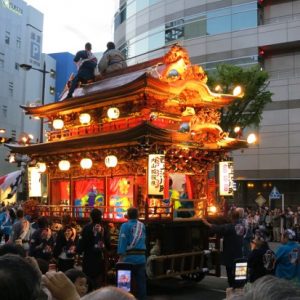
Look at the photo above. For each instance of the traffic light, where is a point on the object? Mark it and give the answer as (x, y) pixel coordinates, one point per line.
(261, 55)
(260, 3)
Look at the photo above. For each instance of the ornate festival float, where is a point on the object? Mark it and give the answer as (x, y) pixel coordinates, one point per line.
(145, 136)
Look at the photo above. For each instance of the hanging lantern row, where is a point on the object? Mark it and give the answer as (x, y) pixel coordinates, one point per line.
(113, 113)
(86, 163)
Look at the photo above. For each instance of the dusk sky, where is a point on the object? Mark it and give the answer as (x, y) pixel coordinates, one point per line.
(69, 24)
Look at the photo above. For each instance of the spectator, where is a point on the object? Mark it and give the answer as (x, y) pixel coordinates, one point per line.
(111, 60)
(79, 279)
(276, 225)
(42, 242)
(232, 244)
(132, 249)
(7, 220)
(19, 280)
(109, 293)
(65, 248)
(86, 63)
(287, 257)
(21, 230)
(270, 288)
(60, 286)
(9, 248)
(255, 259)
(93, 243)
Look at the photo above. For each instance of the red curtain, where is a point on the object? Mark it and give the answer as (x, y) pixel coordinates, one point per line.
(60, 191)
(83, 186)
(189, 187)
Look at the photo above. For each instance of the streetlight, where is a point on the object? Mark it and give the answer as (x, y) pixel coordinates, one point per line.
(27, 67)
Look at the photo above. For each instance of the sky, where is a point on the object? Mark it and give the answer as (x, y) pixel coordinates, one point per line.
(69, 24)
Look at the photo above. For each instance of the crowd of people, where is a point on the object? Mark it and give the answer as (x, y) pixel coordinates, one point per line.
(64, 255)
(67, 258)
(246, 237)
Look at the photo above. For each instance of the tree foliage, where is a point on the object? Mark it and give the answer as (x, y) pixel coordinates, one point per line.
(247, 111)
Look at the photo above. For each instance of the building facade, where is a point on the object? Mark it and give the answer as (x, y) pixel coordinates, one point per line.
(21, 36)
(244, 33)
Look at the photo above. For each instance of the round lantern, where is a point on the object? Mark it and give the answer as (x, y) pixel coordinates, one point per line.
(113, 113)
(64, 165)
(251, 139)
(237, 91)
(42, 167)
(111, 161)
(58, 124)
(86, 163)
(84, 118)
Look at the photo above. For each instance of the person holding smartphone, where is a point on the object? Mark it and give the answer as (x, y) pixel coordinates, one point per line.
(93, 243)
(233, 234)
(132, 250)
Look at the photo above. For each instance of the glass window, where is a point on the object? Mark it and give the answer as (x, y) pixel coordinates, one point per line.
(157, 40)
(151, 2)
(141, 46)
(141, 4)
(195, 29)
(1, 60)
(4, 111)
(244, 20)
(18, 42)
(244, 7)
(131, 9)
(11, 88)
(7, 37)
(174, 31)
(218, 25)
(117, 20)
(219, 12)
(124, 49)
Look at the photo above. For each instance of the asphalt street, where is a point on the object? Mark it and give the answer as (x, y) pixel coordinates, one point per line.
(210, 287)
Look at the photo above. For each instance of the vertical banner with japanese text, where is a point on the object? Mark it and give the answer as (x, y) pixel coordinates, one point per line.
(34, 182)
(226, 178)
(156, 174)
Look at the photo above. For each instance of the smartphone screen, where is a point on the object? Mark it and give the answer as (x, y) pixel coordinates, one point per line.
(124, 279)
(241, 270)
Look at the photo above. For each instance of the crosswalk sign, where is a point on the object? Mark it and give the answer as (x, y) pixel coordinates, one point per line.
(275, 193)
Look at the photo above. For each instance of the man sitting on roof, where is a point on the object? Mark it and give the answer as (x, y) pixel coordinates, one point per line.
(112, 60)
(86, 63)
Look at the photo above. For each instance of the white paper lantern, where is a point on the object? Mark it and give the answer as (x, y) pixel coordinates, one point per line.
(86, 163)
(64, 165)
(84, 119)
(42, 167)
(113, 113)
(111, 161)
(251, 139)
(237, 91)
(58, 124)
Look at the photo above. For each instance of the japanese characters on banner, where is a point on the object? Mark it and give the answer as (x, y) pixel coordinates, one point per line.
(156, 173)
(34, 182)
(226, 182)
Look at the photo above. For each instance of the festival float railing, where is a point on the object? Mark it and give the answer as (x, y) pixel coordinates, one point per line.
(110, 126)
(156, 212)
